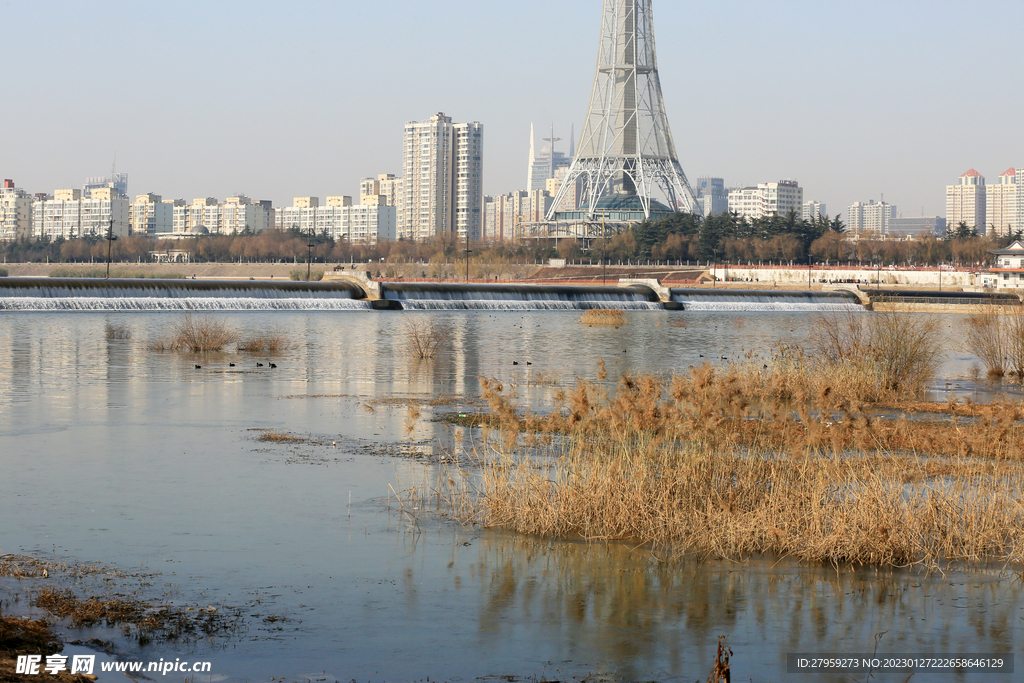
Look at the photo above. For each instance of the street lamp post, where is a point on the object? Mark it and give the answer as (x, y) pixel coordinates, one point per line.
(110, 241)
(309, 243)
(468, 252)
(714, 269)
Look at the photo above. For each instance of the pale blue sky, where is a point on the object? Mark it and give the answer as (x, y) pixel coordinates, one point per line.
(281, 99)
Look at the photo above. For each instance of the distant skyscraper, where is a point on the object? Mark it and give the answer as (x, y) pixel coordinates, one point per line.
(1002, 211)
(443, 183)
(965, 202)
(903, 228)
(711, 195)
(870, 219)
(543, 166)
(117, 181)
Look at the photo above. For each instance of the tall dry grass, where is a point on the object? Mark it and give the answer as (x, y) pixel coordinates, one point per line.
(424, 337)
(271, 343)
(890, 355)
(611, 317)
(988, 338)
(713, 464)
(201, 334)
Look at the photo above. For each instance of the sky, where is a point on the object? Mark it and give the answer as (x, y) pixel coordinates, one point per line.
(276, 100)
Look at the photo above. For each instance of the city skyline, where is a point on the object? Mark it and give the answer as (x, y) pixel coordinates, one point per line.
(363, 85)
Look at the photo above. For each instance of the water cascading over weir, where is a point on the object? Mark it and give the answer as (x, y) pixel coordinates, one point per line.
(764, 300)
(514, 297)
(89, 294)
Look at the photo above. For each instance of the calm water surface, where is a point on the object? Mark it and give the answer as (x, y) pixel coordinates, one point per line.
(112, 453)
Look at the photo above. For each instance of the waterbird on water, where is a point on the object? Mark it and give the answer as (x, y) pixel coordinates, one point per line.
(231, 365)
(199, 367)
(273, 365)
(515, 362)
(259, 365)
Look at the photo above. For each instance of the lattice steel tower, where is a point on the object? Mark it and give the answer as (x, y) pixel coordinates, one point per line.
(626, 147)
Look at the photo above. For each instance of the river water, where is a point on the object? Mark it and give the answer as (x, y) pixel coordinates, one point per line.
(110, 452)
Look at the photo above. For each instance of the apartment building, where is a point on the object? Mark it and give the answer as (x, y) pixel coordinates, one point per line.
(767, 199)
(15, 213)
(151, 215)
(812, 211)
(1002, 210)
(443, 179)
(871, 219)
(966, 201)
(70, 214)
(503, 214)
(368, 222)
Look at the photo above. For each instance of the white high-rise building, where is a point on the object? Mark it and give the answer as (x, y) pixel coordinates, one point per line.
(767, 199)
(69, 214)
(240, 214)
(812, 211)
(150, 215)
(443, 183)
(15, 213)
(385, 185)
(870, 219)
(369, 222)
(1002, 210)
(966, 202)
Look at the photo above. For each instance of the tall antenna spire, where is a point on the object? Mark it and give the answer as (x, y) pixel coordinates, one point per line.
(551, 156)
(626, 146)
(533, 158)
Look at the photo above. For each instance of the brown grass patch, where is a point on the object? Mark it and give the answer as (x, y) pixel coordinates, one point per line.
(611, 317)
(729, 462)
(27, 636)
(139, 619)
(274, 436)
(269, 343)
(201, 334)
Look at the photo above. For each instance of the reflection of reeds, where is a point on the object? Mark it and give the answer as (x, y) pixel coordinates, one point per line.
(612, 317)
(118, 331)
(754, 457)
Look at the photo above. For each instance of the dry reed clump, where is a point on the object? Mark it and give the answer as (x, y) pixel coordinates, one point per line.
(268, 343)
(201, 334)
(117, 331)
(611, 317)
(702, 465)
(891, 355)
(424, 337)
(274, 436)
(988, 340)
